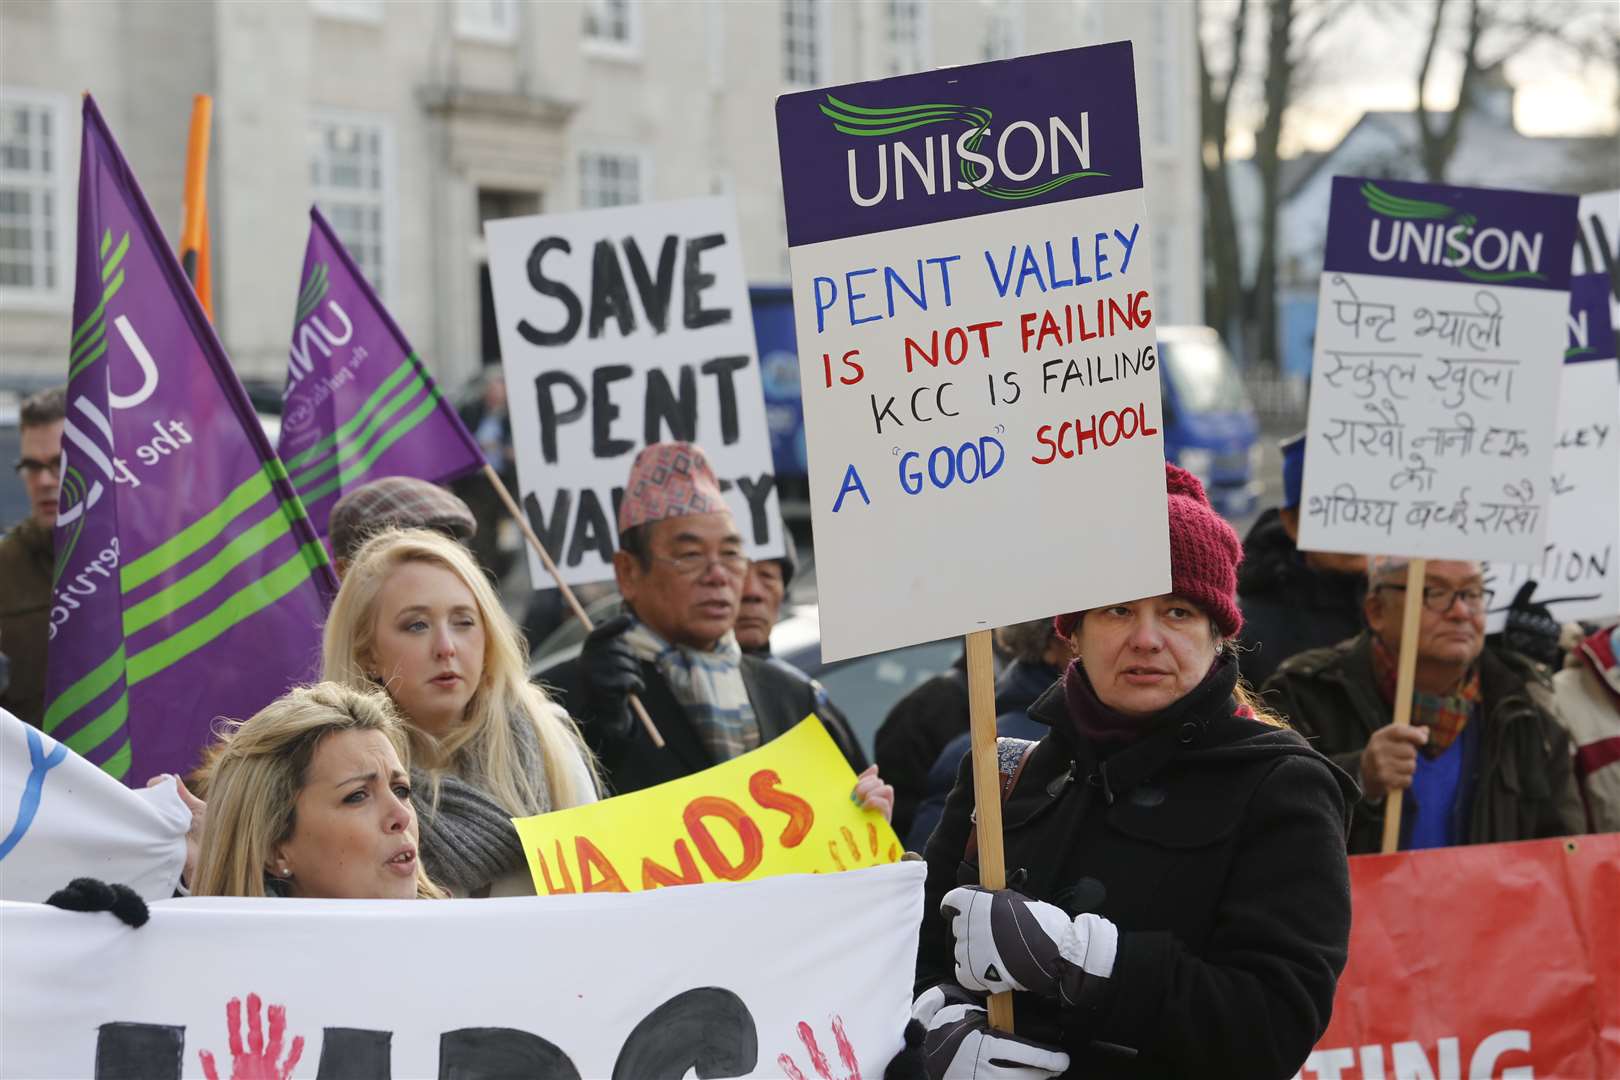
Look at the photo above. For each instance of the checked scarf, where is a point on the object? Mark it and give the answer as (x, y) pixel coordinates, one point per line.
(708, 684)
(1445, 715)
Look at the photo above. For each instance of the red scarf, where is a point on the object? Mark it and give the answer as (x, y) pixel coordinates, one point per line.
(1445, 715)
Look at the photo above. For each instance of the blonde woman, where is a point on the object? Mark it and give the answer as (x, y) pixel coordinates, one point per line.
(418, 618)
(310, 798)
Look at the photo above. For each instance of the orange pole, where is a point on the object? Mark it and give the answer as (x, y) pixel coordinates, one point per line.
(194, 224)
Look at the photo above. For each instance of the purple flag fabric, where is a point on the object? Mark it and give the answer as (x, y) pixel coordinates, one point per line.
(359, 403)
(189, 584)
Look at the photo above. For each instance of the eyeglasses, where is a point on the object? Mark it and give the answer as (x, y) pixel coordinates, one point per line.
(1439, 599)
(695, 564)
(31, 467)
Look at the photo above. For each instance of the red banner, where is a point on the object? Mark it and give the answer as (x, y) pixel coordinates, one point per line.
(1501, 960)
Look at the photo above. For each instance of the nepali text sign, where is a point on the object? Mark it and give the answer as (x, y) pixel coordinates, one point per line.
(1439, 342)
(782, 809)
(974, 303)
(764, 978)
(1492, 960)
(620, 328)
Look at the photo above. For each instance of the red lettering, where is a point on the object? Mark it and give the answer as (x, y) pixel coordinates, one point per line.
(1042, 437)
(753, 843)
(1102, 426)
(605, 878)
(983, 330)
(562, 871)
(1141, 314)
(1141, 416)
(1128, 414)
(931, 356)
(1082, 434)
(766, 788)
(955, 342)
(654, 875)
(1024, 332)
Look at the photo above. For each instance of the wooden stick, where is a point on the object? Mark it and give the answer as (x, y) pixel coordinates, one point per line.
(981, 672)
(1405, 677)
(568, 594)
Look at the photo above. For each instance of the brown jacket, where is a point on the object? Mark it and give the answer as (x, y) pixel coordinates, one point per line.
(25, 603)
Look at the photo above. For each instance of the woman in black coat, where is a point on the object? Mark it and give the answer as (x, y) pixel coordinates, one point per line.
(1180, 897)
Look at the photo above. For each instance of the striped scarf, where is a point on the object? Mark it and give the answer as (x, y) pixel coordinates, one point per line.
(709, 686)
(1445, 715)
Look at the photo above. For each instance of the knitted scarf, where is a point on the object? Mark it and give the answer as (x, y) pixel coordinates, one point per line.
(467, 841)
(709, 686)
(1109, 729)
(1445, 715)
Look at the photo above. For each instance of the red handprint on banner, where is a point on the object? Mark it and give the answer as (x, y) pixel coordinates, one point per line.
(856, 856)
(258, 1061)
(818, 1060)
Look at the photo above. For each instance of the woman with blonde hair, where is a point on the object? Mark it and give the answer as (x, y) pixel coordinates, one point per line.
(417, 617)
(310, 798)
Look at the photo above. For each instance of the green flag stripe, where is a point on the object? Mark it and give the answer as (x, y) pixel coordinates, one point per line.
(80, 365)
(108, 265)
(102, 728)
(198, 534)
(244, 603)
(106, 242)
(398, 375)
(348, 449)
(86, 690)
(243, 547)
(97, 335)
(94, 317)
(312, 295)
(117, 765)
(359, 468)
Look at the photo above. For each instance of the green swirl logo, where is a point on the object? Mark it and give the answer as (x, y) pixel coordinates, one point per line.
(1400, 208)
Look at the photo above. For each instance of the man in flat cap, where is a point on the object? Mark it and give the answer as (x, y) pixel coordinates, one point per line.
(680, 569)
(395, 502)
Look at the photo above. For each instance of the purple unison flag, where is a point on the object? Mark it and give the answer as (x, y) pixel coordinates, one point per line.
(359, 404)
(189, 584)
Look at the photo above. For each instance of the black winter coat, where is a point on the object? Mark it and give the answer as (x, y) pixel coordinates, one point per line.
(780, 698)
(1287, 606)
(910, 739)
(1219, 858)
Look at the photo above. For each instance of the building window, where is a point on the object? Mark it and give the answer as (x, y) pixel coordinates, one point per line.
(908, 36)
(1004, 30)
(351, 180)
(34, 206)
(494, 21)
(613, 26)
(803, 55)
(368, 11)
(609, 179)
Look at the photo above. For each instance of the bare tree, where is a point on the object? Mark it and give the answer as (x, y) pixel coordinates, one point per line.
(1223, 283)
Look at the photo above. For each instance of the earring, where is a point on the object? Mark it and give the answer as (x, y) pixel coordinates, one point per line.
(286, 872)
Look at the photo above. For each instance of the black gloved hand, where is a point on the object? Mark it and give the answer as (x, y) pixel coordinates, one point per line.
(611, 674)
(88, 894)
(1531, 629)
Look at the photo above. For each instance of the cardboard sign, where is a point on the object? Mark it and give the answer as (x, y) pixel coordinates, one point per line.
(760, 979)
(782, 809)
(1496, 960)
(621, 328)
(973, 293)
(1434, 390)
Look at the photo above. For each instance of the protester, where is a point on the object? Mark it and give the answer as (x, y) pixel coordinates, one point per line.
(395, 502)
(1587, 692)
(490, 423)
(764, 589)
(1181, 900)
(27, 557)
(417, 617)
(1039, 655)
(1293, 600)
(915, 732)
(680, 569)
(310, 798)
(1484, 759)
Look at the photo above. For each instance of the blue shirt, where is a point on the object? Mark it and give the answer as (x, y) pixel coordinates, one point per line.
(1442, 794)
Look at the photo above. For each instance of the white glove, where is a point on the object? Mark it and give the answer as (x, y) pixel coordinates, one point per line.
(960, 1044)
(1006, 941)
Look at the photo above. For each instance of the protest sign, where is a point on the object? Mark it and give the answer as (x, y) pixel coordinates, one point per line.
(359, 404)
(1496, 960)
(1578, 576)
(784, 808)
(764, 978)
(1434, 392)
(974, 302)
(189, 584)
(62, 818)
(620, 328)
(1597, 243)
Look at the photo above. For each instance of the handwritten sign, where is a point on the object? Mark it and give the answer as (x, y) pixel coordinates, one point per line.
(782, 809)
(621, 328)
(1434, 391)
(973, 294)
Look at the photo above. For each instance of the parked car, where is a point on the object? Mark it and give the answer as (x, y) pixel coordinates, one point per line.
(1210, 427)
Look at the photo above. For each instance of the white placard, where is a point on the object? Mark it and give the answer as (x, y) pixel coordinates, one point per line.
(737, 980)
(618, 328)
(1597, 244)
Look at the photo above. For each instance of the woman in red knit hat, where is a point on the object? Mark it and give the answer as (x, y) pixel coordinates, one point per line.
(1179, 900)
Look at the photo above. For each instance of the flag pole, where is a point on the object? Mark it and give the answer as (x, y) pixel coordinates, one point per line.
(568, 594)
(194, 226)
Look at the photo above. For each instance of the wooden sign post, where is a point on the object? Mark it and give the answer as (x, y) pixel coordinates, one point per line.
(981, 672)
(1405, 676)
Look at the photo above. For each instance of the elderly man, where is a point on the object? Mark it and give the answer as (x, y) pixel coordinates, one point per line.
(395, 502)
(1485, 759)
(680, 568)
(27, 555)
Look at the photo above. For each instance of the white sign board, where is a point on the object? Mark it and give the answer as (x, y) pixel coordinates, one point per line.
(1434, 390)
(730, 979)
(974, 303)
(620, 328)
(1597, 244)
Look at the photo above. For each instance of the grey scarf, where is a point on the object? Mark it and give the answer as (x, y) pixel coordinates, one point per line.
(468, 841)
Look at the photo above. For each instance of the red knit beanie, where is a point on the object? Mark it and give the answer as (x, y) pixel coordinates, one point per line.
(1204, 555)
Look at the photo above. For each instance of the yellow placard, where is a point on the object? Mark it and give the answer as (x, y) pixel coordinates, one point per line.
(782, 809)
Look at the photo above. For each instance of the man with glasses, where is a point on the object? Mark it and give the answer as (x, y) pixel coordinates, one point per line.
(26, 556)
(680, 568)
(1485, 759)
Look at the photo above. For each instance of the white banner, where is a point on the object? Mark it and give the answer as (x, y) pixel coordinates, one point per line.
(1597, 244)
(768, 978)
(620, 328)
(62, 817)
